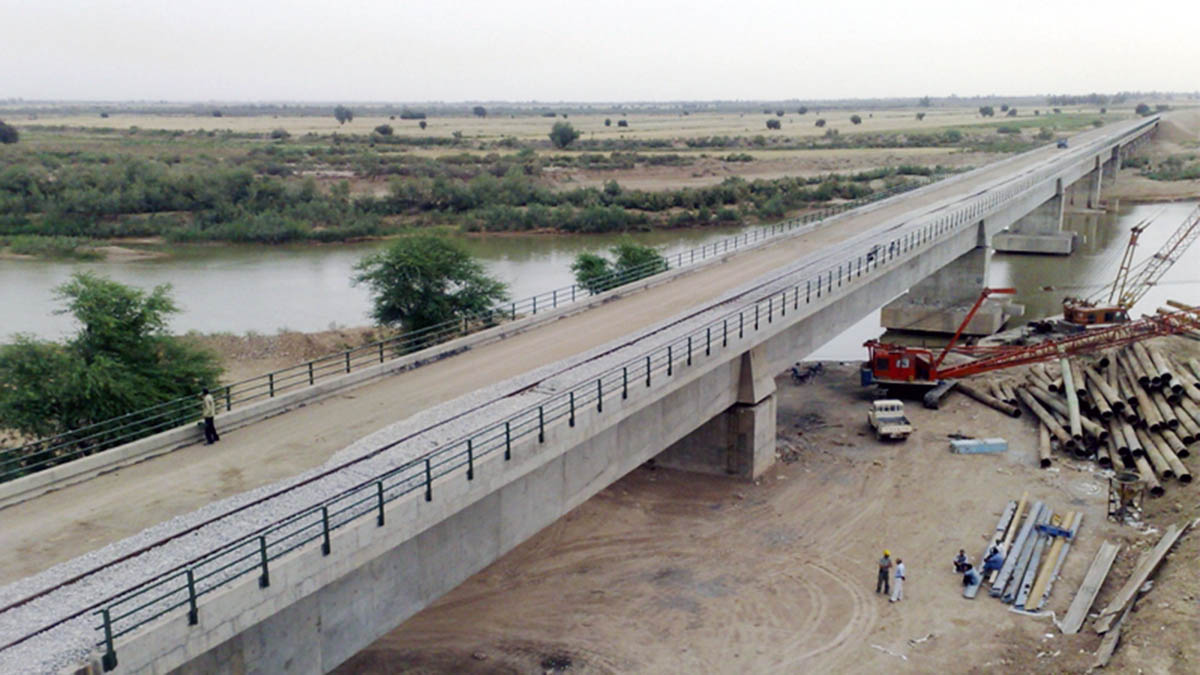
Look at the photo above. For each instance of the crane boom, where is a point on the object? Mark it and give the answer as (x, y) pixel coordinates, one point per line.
(1151, 270)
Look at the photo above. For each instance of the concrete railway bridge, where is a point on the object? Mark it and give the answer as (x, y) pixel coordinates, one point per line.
(300, 573)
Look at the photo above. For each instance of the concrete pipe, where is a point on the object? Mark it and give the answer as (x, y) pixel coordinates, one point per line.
(1161, 467)
(1100, 402)
(1117, 436)
(1147, 473)
(1175, 443)
(1115, 402)
(1142, 358)
(1043, 446)
(1191, 409)
(1147, 410)
(1052, 402)
(1188, 430)
(1069, 388)
(1135, 445)
(1078, 378)
(988, 400)
(1160, 363)
(1164, 410)
(1064, 439)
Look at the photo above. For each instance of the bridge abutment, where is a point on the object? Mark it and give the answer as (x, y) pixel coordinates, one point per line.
(741, 440)
(1040, 231)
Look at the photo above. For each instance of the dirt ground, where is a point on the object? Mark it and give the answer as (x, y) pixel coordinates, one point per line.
(1178, 133)
(251, 355)
(667, 571)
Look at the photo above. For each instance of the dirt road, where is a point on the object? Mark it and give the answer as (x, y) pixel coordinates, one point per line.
(77, 519)
(672, 572)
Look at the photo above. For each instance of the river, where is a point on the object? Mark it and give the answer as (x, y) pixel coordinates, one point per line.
(240, 289)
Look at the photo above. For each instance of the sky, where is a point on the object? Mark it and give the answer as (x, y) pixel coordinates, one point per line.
(580, 50)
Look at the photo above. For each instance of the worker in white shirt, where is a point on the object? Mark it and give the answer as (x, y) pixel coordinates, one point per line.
(898, 586)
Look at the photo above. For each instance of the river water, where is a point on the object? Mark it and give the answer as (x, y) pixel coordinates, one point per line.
(240, 289)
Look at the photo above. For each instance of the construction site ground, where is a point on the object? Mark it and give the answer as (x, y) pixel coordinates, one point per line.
(666, 571)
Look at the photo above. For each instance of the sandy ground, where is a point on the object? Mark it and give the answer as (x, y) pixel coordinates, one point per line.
(666, 571)
(1178, 133)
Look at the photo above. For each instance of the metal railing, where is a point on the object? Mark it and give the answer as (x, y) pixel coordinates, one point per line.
(254, 553)
(88, 440)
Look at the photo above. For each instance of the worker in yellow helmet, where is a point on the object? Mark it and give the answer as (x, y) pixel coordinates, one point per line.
(882, 582)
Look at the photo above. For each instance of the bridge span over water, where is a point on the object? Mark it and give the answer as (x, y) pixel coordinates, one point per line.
(304, 536)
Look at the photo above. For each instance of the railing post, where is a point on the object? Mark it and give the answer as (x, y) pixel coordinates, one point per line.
(470, 460)
(670, 361)
(381, 352)
(795, 297)
(554, 298)
(599, 396)
(109, 660)
(264, 579)
(756, 315)
(507, 441)
(808, 291)
(541, 425)
(535, 304)
(647, 371)
(514, 311)
(741, 325)
(347, 360)
(228, 397)
(572, 292)
(708, 341)
(193, 611)
(271, 384)
(379, 498)
(428, 480)
(770, 307)
(724, 332)
(571, 419)
(689, 351)
(310, 373)
(624, 382)
(326, 545)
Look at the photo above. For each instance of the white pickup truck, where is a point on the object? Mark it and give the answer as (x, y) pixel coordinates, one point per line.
(886, 417)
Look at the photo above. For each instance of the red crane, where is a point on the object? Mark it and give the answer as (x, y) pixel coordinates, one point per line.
(915, 366)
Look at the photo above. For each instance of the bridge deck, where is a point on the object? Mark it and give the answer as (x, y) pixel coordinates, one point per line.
(69, 522)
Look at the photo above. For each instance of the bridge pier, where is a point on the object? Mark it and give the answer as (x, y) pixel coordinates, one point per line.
(941, 301)
(741, 440)
(1040, 231)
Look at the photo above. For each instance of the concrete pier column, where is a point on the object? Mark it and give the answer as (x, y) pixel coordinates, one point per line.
(740, 441)
(1094, 181)
(1040, 231)
(1111, 166)
(940, 302)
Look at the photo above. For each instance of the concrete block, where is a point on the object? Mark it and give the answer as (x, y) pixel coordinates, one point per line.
(976, 446)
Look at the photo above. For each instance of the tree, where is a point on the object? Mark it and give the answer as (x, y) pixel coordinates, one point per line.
(987, 110)
(563, 134)
(632, 261)
(924, 102)
(1012, 112)
(821, 122)
(479, 111)
(280, 134)
(422, 124)
(217, 113)
(779, 113)
(607, 121)
(1103, 111)
(803, 110)
(773, 124)
(1142, 109)
(8, 133)
(423, 281)
(121, 360)
(384, 130)
(855, 119)
(343, 114)
(1003, 107)
(920, 116)
(622, 123)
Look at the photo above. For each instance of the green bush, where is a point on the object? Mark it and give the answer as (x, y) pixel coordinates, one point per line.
(773, 124)
(563, 134)
(8, 133)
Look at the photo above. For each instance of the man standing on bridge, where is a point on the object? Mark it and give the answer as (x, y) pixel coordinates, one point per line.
(210, 411)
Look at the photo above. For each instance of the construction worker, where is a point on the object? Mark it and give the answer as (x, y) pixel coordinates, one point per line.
(885, 572)
(209, 412)
(961, 562)
(898, 587)
(971, 577)
(994, 560)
